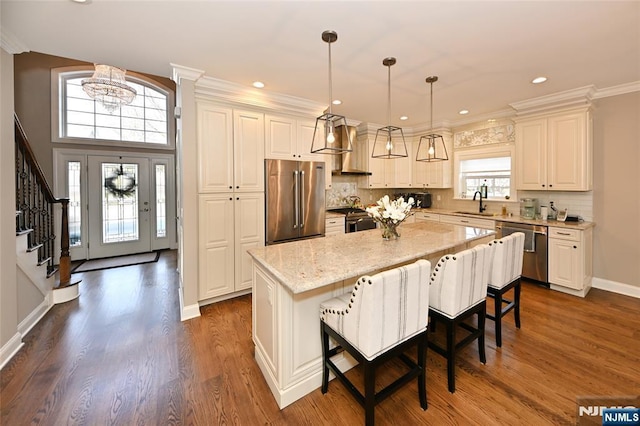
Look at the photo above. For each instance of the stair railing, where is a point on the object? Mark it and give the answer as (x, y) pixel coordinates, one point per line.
(35, 205)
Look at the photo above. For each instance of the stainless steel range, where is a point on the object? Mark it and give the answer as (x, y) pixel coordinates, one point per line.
(355, 219)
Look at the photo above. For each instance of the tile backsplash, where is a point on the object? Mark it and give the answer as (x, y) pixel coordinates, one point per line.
(335, 197)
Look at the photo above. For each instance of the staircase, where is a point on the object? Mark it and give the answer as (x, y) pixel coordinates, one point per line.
(35, 237)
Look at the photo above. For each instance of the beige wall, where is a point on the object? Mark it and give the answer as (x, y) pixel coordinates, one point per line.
(616, 189)
(8, 286)
(33, 105)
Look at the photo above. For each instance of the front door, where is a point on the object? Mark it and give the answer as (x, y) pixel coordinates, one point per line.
(120, 204)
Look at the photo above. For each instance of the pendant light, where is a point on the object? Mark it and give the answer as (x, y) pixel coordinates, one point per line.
(389, 142)
(329, 123)
(431, 146)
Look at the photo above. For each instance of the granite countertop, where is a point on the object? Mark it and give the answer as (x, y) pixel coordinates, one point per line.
(309, 264)
(514, 219)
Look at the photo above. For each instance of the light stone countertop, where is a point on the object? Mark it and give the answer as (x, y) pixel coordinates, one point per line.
(513, 219)
(309, 264)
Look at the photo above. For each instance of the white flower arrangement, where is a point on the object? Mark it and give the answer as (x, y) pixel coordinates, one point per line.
(390, 212)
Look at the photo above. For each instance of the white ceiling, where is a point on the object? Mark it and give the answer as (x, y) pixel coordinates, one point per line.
(484, 52)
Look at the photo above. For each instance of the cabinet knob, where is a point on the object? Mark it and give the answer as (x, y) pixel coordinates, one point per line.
(550, 186)
(230, 187)
(237, 198)
(238, 187)
(543, 186)
(575, 247)
(230, 198)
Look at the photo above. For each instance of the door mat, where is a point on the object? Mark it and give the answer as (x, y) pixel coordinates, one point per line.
(116, 262)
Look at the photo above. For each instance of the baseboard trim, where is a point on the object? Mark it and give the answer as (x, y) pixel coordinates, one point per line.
(27, 324)
(616, 287)
(10, 349)
(187, 312)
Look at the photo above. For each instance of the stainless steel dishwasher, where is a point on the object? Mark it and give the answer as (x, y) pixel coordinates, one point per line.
(534, 265)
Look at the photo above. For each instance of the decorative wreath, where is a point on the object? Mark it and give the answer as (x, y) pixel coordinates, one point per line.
(120, 184)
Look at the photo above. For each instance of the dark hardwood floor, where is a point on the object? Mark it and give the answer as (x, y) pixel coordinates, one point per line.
(120, 355)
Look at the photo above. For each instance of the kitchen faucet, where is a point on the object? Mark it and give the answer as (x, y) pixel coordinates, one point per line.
(481, 208)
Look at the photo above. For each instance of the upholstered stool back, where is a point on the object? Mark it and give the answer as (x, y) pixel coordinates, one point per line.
(460, 280)
(507, 260)
(383, 309)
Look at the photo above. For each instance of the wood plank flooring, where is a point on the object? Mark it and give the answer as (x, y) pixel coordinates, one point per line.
(119, 355)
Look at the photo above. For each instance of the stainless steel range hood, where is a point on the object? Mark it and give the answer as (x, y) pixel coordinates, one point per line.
(346, 163)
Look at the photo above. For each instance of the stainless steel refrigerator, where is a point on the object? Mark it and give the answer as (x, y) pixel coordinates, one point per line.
(294, 200)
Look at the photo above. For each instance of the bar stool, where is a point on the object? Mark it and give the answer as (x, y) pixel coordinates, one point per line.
(505, 274)
(457, 291)
(382, 317)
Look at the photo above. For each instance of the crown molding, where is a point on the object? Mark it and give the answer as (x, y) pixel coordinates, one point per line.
(10, 43)
(180, 72)
(620, 89)
(225, 91)
(569, 98)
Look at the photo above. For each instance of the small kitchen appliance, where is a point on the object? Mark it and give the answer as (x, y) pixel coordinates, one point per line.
(422, 199)
(528, 208)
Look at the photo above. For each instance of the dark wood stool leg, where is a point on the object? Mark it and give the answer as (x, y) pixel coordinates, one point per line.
(451, 355)
(369, 393)
(422, 362)
(481, 323)
(516, 301)
(498, 317)
(325, 354)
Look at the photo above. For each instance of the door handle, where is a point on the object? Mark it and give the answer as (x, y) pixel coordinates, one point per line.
(296, 200)
(302, 199)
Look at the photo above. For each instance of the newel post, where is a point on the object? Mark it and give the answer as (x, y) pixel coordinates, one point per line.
(65, 258)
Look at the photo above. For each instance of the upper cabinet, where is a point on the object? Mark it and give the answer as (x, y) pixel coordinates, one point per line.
(386, 173)
(288, 138)
(435, 174)
(554, 152)
(230, 149)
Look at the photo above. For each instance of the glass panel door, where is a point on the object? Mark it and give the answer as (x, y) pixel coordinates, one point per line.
(119, 199)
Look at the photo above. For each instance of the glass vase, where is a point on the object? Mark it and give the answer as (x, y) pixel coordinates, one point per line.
(389, 231)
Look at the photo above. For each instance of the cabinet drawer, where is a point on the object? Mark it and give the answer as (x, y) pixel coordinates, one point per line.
(427, 216)
(466, 221)
(564, 234)
(334, 225)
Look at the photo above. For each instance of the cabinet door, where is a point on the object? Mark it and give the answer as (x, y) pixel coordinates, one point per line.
(280, 137)
(249, 233)
(435, 174)
(403, 170)
(565, 263)
(376, 166)
(567, 153)
(215, 148)
(248, 154)
(531, 155)
(304, 137)
(216, 253)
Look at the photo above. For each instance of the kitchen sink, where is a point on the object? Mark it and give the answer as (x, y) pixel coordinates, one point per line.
(477, 214)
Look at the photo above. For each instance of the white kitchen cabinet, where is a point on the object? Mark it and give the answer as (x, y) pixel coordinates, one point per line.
(554, 152)
(434, 174)
(230, 149)
(468, 221)
(570, 260)
(422, 216)
(334, 226)
(387, 173)
(289, 138)
(230, 224)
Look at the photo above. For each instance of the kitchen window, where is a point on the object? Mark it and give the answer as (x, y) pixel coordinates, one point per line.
(76, 118)
(491, 166)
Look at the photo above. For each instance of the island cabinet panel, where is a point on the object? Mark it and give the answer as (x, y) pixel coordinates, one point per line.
(265, 333)
(570, 260)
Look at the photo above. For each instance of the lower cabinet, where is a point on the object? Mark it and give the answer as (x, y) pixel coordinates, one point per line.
(229, 225)
(334, 226)
(467, 221)
(419, 216)
(570, 265)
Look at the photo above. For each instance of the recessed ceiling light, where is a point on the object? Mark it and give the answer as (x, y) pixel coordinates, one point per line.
(81, 1)
(491, 120)
(258, 84)
(337, 102)
(404, 117)
(463, 111)
(539, 80)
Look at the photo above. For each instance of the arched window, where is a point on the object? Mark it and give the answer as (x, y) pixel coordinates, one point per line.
(76, 118)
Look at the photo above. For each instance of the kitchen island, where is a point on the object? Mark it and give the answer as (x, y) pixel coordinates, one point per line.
(291, 280)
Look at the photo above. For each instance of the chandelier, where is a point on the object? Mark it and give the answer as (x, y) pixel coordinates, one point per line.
(431, 146)
(109, 87)
(389, 142)
(328, 121)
